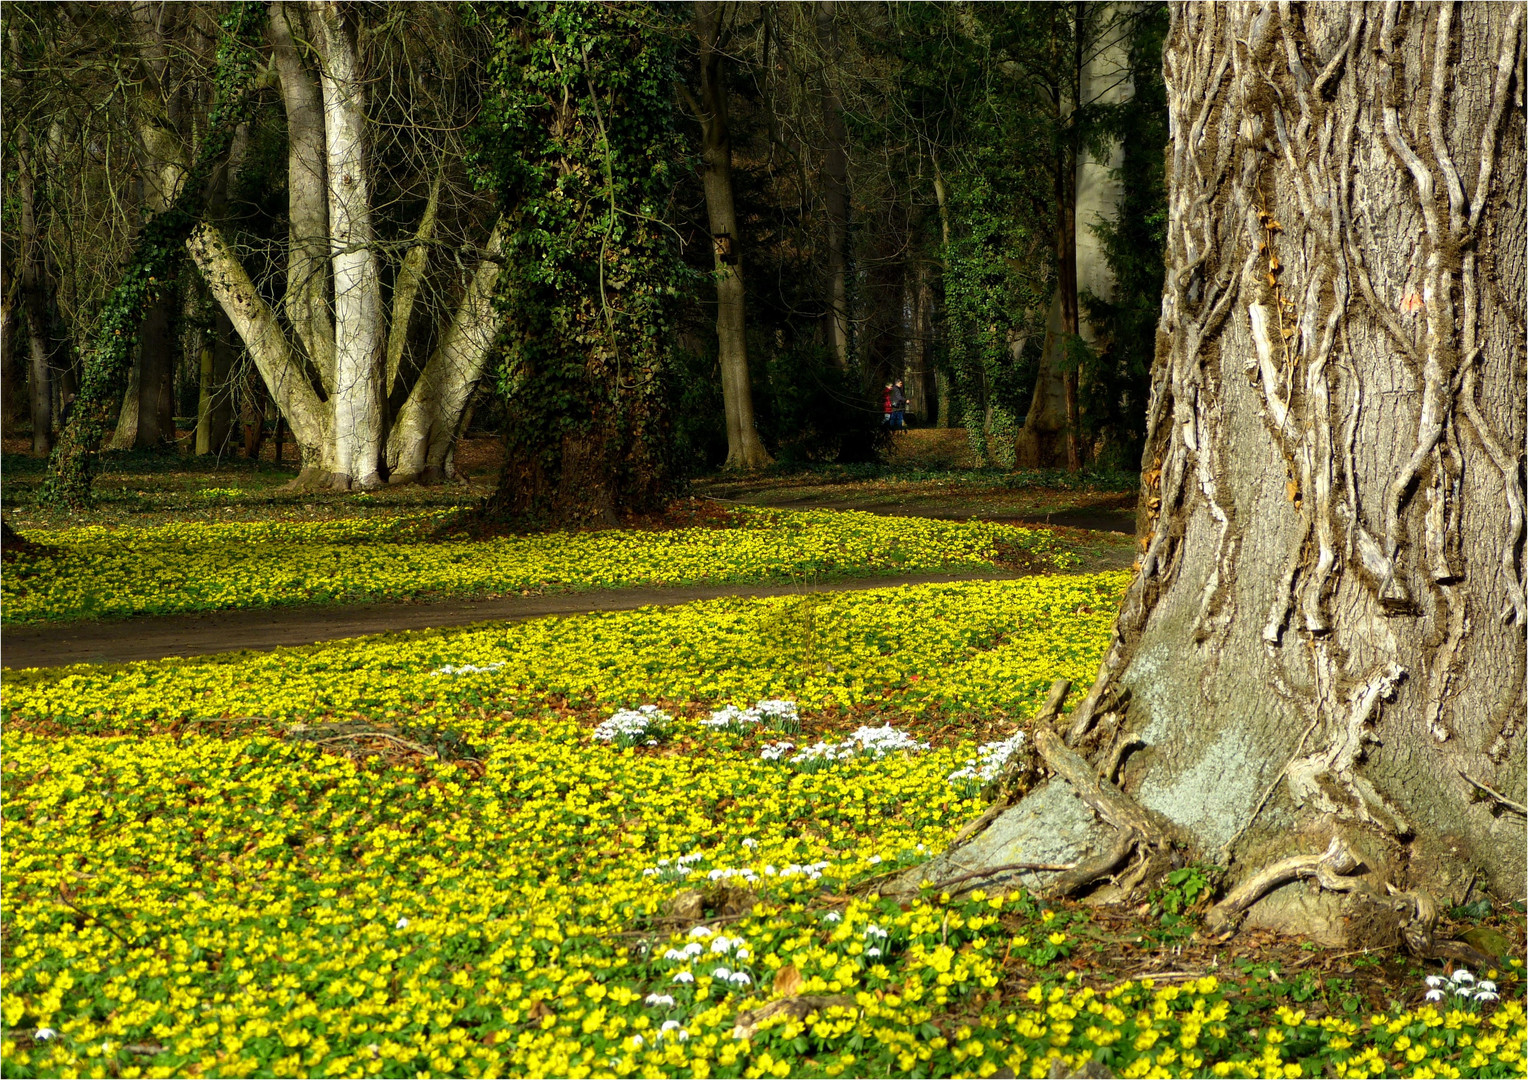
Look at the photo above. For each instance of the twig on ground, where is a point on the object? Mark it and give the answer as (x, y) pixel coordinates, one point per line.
(1516, 807)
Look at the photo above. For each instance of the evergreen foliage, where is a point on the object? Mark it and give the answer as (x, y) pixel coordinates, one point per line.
(579, 141)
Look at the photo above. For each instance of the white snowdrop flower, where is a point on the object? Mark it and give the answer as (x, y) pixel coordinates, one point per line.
(721, 943)
(742, 954)
(1434, 980)
(769, 870)
(872, 930)
(401, 923)
(1487, 985)
(721, 973)
(694, 948)
(659, 999)
(637, 1042)
(872, 952)
(465, 669)
(1463, 977)
(44, 1034)
(683, 977)
(673, 1027)
(874, 860)
(832, 916)
(700, 931)
(673, 954)
(1435, 995)
(750, 842)
(1485, 995)
(739, 978)
(776, 750)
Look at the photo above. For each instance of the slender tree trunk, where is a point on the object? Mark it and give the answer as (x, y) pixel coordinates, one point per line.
(275, 362)
(915, 299)
(745, 450)
(1067, 288)
(214, 410)
(1323, 650)
(359, 334)
(835, 190)
(307, 279)
(162, 168)
(156, 376)
(34, 302)
(425, 429)
(942, 387)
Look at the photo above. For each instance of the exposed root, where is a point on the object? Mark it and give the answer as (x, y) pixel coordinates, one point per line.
(1014, 784)
(967, 882)
(1137, 831)
(1327, 868)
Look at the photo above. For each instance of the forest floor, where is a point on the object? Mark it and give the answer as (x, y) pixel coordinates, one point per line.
(928, 475)
(420, 848)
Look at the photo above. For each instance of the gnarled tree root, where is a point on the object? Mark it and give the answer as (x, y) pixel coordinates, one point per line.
(1136, 830)
(1326, 868)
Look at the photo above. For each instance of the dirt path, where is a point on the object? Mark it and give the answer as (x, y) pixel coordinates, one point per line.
(155, 637)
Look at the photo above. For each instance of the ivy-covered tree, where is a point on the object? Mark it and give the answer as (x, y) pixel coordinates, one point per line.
(156, 257)
(580, 142)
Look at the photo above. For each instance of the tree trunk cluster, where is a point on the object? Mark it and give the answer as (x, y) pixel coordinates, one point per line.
(333, 372)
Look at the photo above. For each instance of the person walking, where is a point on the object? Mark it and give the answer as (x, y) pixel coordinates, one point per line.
(886, 407)
(898, 407)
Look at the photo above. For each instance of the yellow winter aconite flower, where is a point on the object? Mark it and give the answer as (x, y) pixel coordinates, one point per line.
(181, 904)
(964, 645)
(199, 566)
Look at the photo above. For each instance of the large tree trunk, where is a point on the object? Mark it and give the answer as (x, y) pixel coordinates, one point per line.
(745, 450)
(359, 334)
(835, 189)
(1323, 649)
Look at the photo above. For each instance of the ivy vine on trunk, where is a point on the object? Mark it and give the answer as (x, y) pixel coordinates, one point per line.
(580, 142)
(154, 262)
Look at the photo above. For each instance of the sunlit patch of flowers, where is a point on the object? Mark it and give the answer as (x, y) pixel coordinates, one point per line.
(771, 713)
(865, 742)
(987, 765)
(983, 646)
(646, 725)
(198, 566)
(250, 905)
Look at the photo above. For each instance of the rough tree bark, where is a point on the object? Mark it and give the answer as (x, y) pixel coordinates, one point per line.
(745, 450)
(1322, 653)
